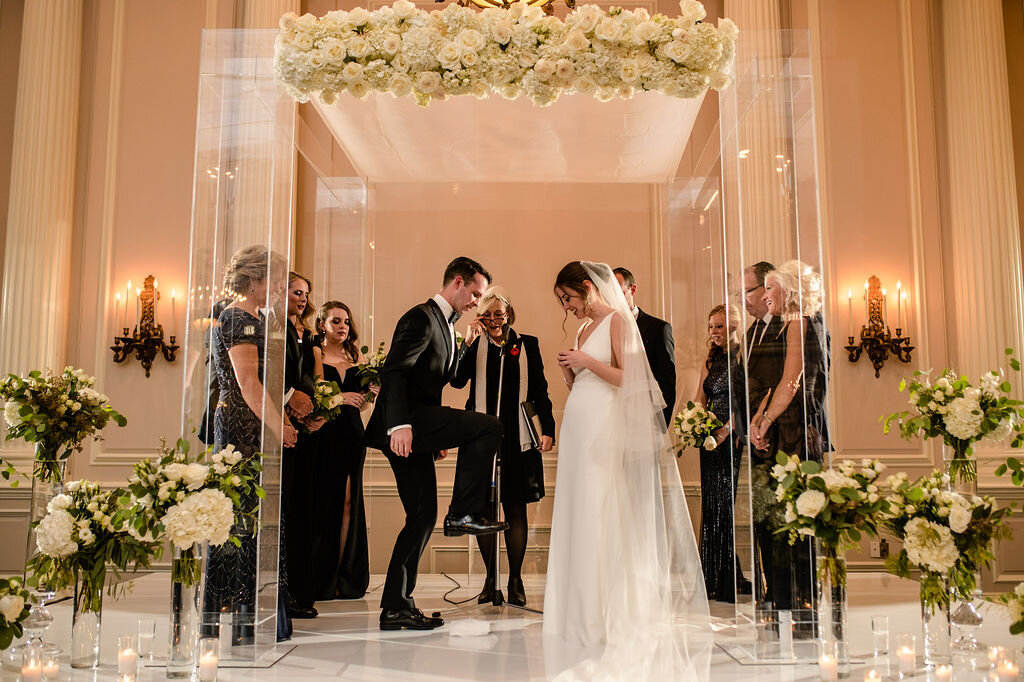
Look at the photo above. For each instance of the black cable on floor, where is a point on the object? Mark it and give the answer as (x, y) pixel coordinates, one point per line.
(458, 586)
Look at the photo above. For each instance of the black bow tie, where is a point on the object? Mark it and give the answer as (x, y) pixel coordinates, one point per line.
(453, 318)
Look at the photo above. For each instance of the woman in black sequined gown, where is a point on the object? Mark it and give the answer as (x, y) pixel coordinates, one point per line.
(341, 559)
(238, 345)
(719, 468)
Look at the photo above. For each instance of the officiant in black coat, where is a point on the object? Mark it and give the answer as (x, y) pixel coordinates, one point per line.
(412, 428)
(659, 344)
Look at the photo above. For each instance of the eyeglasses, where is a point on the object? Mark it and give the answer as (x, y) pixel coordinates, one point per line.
(753, 289)
(497, 317)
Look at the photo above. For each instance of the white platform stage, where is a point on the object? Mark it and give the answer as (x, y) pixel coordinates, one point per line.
(344, 642)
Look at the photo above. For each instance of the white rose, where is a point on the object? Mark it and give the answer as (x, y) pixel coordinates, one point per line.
(565, 69)
(810, 503)
(531, 14)
(629, 72)
(609, 29)
(469, 59)
(544, 68)
(86, 536)
(677, 51)
(11, 606)
(358, 47)
(509, 91)
(399, 86)
(709, 443)
(404, 9)
(791, 465)
(359, 89)
(195, 475)
(287, 21)
(400, 63)
(428, 81)
(358, 16)
(471, 39)
(872, 497)
(352, 71)
(691, 11)
(959, 518)
(584, 85)
(645, 32)
(60, 502)
(391, 45)
(449, 55)
(1019, 590)
(587, 17)
(501, 31)
(790, 515)
(576, 40)
(727, 29)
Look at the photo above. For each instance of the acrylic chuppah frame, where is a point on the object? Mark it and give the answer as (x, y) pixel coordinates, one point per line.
(751, 195)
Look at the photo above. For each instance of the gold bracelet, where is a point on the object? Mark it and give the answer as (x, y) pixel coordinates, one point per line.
(767, 418)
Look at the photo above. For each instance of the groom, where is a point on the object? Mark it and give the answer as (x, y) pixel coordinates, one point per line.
(412, 429)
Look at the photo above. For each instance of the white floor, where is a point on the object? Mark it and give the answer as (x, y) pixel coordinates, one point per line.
(345, 643)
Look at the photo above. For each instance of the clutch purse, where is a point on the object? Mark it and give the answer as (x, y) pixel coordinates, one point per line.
(532, 422)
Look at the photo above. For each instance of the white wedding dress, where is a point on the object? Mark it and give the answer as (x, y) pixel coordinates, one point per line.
(624, 581)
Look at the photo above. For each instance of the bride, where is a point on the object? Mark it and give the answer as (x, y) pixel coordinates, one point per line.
(623, 569)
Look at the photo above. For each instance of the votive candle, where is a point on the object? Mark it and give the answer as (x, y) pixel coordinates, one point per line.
(1007, 671)
(51, 669)
(828, 667)
(871, 674)
(208, 658)
(944, 673)
(127, 655)
(32, 664)
(907, 659)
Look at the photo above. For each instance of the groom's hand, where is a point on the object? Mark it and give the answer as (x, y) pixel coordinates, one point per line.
(401, 442)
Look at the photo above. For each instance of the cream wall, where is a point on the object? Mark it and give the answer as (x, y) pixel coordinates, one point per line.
(880, 128)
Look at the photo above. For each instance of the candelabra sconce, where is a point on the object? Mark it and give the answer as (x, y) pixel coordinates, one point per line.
(876, 338)
(146, 340)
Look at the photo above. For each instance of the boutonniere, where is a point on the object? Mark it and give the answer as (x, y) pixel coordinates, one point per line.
(514, 350)
(459, 339)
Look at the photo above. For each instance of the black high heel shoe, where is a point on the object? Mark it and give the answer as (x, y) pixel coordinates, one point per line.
(487, 593)
(516, 592)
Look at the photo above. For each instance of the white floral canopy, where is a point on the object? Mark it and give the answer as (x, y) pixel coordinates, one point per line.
(507, 94)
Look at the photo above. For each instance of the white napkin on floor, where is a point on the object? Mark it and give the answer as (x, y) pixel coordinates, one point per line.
(469, 627)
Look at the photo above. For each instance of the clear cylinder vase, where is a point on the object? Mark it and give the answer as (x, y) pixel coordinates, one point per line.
(962, 469)
(186, 592)
(832, 607)
(85, 623)
(935, 619)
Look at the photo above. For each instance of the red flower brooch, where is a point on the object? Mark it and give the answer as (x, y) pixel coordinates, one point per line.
(514, 351)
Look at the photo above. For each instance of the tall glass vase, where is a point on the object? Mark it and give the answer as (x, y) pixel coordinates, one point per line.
(85, 622)
(186, 592)
(935, 619)
(832, 606)
(965, 617)
(961, 467)
(43, 491)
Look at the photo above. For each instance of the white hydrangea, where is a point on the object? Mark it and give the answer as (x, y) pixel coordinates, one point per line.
(54, 534)
(930, 545)
(963, 418)
(835, 480)
(204, 516)
(11, 413)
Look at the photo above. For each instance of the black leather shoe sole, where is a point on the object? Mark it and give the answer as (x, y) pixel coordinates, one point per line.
(388, 627)
(300, 612)
(456, 531)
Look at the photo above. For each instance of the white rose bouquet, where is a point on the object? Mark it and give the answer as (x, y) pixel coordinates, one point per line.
(960, 414)
(14, 599)
(836, 506)
(189, 501)
(695, 427)
(56, 412)
(369, 371)
(945, 535)
(327, 400)
(85, 533)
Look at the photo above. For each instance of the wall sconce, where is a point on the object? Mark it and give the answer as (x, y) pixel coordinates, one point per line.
(875, 337)
(147, 338)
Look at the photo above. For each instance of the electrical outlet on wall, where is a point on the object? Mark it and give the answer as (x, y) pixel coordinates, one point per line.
(876, 549)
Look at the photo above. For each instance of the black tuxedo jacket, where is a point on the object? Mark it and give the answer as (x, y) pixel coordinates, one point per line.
(416, 371)
(299, 362)
(765, 362)
(661, 348)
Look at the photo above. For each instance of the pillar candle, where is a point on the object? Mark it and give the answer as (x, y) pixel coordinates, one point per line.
(828, 668)
(907, 659)
(849, 304)
(174, 322)
(51, 669)
(899, 291)
(138, 307)
(208, 667)
(127, 660)
(127, 295)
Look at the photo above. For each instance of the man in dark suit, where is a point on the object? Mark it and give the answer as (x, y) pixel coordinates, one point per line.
(765, 353)
(658, 343)
(412, 428)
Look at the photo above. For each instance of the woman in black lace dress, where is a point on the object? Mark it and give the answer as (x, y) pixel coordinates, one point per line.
(242, 411)
(341, 558)
(719, 468)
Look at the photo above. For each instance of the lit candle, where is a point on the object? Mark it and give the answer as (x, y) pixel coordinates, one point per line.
(127, 661)
(867, 315)
(899, 291)
(871, 674)
(944, 673)
(849, 304)
(907, 659)
(127, 295)
(32, 672)
(174, 323)
(885, 309)
(208, 648)
(51, 669)
(138, 307)
(903, 298)
(994, 654)
(1006, 671)
(156, 297)
(828, 667)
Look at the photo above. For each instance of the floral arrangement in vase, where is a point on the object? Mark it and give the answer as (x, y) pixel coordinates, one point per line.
(57, 412)
(512, 51)
(369, 371)
(946, 536)
(192, 500)
(835, 505)
(14, 599)
(961, 414)
(695, 427)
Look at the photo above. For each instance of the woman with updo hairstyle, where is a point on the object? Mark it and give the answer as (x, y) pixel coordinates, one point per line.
(796, 408)
(257, 278)
(719, 466)
(497, 357)
(341, 558)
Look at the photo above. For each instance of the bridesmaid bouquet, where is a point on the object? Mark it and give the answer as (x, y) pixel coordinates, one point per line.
(960, 414)
(835, 506)
(56, 412)
(369, 371)
(190, 501)
(85, 531)
(946, 535)
(695, 427)
(13, 609)
(327, 400)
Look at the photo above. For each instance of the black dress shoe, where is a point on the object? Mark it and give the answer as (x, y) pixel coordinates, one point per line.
(296, 611)
(516, 592)
(471, 524)
(410, 619)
